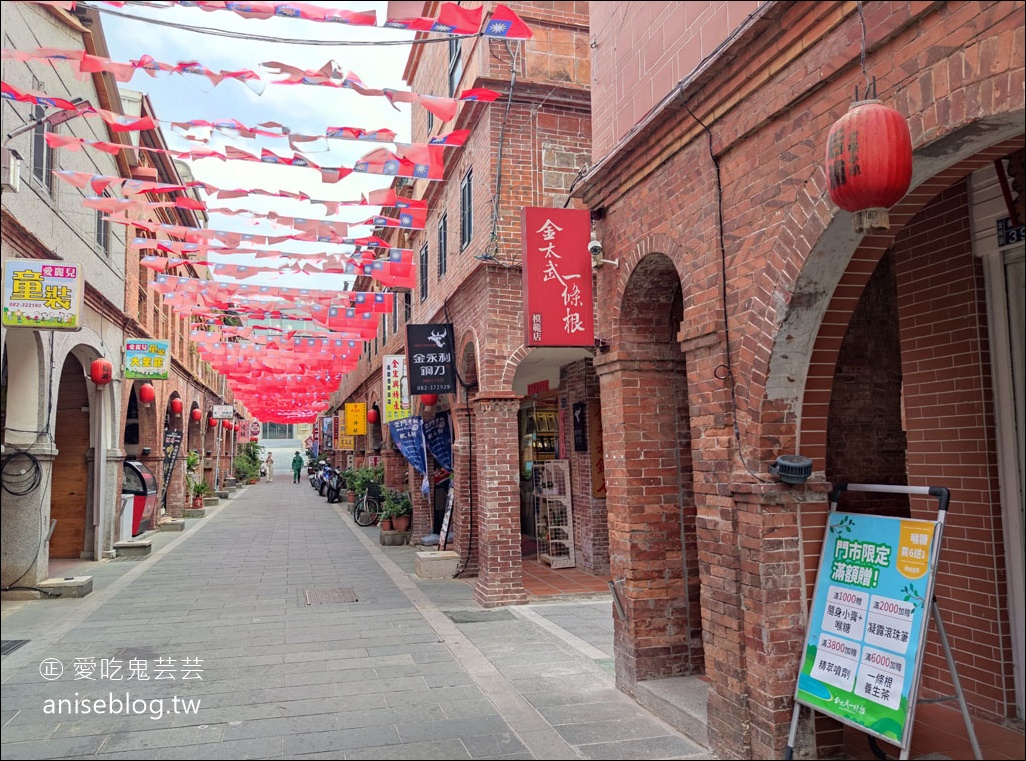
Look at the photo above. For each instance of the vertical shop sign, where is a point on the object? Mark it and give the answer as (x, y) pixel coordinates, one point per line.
(598, 465)
(42, 294)
(430, 352)
(408, 434)
(172, 445)
(327, 433)
(558, 298)
(438, 436)
(867, 630)
(396, 388)
(148, 359)
(356, 419)
(580, 427)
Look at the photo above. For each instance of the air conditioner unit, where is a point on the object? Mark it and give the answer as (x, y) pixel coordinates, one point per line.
(10, 170)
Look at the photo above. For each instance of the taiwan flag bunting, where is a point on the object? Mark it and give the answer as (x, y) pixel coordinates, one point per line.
(506, 24)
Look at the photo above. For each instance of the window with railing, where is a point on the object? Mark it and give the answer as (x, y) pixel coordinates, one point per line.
(423, 270)
(466, 210)
(455, 65)
(443, 244)
(103, 229)
(42, 154)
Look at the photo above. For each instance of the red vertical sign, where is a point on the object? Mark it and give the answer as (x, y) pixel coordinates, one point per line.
(558, 299)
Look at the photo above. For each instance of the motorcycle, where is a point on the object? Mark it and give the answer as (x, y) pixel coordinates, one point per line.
(336, 484)
(322, 478)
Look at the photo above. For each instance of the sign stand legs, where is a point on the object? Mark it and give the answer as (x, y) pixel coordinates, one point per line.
(977, 754)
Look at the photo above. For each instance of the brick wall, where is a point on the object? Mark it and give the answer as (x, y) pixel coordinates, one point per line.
(945, 366)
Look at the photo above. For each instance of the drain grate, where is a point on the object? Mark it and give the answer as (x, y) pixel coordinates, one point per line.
(10, 645)
(330, 596)
(478, 616)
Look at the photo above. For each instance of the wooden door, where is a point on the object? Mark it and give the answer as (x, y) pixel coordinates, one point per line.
(69, 489)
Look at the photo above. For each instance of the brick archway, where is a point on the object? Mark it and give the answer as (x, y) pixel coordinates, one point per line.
(646, 427)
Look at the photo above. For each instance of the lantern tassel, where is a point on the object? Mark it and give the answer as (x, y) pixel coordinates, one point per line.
(871, 220)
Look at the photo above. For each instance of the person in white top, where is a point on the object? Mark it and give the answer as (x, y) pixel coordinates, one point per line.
(270, 467)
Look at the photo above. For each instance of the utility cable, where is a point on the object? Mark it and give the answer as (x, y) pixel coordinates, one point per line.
(724, 371)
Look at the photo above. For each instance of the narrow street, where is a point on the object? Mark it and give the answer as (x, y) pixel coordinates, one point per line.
(249, 651)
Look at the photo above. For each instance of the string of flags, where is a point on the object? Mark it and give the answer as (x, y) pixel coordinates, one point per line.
(286, 371)
(452, 18)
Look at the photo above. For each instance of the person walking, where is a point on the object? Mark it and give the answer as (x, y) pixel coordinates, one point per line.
(269, 463)
(297, 466)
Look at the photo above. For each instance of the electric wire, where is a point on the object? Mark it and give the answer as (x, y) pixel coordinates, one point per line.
(492, 250)
(277, 40)
(724, 371)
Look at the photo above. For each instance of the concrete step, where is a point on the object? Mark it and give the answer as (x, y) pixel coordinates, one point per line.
(680, 701)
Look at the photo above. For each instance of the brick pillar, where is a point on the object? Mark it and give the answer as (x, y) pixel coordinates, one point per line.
(729, 716)
(462, 461)
(652, 544)
(500, 578)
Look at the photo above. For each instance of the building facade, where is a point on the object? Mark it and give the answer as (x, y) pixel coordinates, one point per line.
(65, 438)
(749, 313)
(525, 149)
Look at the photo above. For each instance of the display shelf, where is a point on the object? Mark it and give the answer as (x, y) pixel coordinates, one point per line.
(554, 513)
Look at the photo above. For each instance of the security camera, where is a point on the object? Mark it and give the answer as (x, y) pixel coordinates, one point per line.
(596, 251)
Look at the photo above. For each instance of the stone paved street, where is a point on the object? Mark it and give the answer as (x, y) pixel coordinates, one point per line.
(414, 669)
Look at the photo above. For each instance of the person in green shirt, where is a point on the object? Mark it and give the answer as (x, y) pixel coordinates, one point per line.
(297, 466)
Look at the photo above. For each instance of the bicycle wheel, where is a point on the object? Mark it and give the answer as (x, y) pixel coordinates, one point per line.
(367, 511)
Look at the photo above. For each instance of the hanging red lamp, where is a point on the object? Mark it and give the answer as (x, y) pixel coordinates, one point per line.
(147, 393)
(226, 424)
(212, 423)
(101, 372)
(372, 415)
(869, 163)
(429, 400)
(196, 415)
(177, 405)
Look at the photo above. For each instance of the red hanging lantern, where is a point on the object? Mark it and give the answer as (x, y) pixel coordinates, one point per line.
(869, 163)
(226, 424)
(372, 415)
(177, 405)
(196, 415)
(429, 400)
(212, 423)
(101, 372)
(147, 393)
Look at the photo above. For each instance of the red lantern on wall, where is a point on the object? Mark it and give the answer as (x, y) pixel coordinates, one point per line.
(429, 400)
(212, 423)
(869, 163)
(226, 424)
(101, 372)
(177, 405)
(147, 393)
(196, 415)
(372, 415)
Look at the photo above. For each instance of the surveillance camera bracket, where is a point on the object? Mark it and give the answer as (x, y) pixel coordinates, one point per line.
(597, 263)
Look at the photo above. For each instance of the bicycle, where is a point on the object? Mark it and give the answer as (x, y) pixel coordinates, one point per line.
(367, 508)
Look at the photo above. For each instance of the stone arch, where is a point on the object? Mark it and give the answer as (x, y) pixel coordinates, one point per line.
(23, 379)
(836, 268)
(649, 475)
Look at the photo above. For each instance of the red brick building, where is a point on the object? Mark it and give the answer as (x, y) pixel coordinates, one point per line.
(525, 149)
(746, 321)
(738, 319)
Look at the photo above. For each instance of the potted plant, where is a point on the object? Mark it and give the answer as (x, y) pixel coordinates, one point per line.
(199, 491)
(399, 508)
(192, 461)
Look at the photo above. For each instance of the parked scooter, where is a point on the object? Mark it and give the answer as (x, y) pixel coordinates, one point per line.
(324, 476)
(336, 484)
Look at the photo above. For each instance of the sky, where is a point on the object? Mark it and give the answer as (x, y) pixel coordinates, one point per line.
(303, 109)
